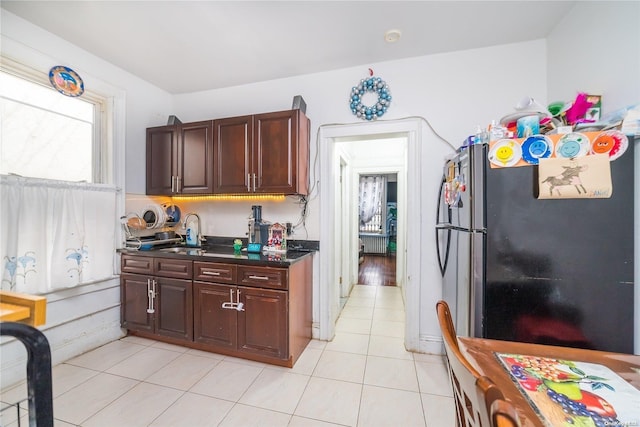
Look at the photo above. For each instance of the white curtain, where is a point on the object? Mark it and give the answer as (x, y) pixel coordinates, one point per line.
(55, 234)
(371, 191)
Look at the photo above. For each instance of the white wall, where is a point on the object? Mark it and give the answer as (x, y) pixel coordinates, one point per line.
(86, 317)
(596, 49)
(455, 92)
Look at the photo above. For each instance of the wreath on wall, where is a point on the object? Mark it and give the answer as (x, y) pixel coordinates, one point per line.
(374, 85)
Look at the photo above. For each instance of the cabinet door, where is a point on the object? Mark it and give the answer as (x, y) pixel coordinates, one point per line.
(134, 298)
(275, 160)
(232, 155)
(162, 160)
(262, 326)
(213, 324)
(195, 158)
(173, 308)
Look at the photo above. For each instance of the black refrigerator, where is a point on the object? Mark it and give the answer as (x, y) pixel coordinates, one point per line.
(519, 268)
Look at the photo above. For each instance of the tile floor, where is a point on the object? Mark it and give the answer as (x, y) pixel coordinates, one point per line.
(364, 377)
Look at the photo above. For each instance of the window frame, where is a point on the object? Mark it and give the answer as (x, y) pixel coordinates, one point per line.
(102, 146)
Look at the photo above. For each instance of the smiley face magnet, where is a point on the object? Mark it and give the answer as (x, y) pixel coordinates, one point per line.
(505, 153)
(613, 142)
(573, 145)
(536, 147)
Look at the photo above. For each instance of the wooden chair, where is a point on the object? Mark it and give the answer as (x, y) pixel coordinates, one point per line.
(479, 402)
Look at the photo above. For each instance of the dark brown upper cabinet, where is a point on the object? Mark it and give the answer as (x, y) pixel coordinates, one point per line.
(264, 153)
(180, 159)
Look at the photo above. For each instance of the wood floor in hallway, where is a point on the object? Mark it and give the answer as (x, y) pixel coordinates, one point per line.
(377, 270)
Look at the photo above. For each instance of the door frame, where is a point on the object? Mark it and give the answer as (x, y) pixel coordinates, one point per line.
(329, 301)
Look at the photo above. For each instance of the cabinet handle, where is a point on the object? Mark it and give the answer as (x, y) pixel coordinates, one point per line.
(259, 277)
(173, 183)
(210, 273)
(254, 182)
(178, 184)
(151, 295)
(249, 182)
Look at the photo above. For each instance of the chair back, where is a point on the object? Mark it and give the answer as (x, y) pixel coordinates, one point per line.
(479, 402)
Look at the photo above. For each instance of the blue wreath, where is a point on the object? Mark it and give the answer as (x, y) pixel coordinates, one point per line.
(371, 84)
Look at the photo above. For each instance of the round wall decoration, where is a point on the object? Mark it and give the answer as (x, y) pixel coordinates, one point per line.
(66, 81)
(374, 85)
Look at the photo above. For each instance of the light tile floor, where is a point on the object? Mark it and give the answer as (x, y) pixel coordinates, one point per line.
(364, 377)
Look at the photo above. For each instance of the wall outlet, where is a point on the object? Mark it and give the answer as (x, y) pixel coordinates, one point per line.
(289, 229)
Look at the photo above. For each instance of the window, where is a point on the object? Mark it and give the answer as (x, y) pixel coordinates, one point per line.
(58, 201)
(46, 134)
(372, 196)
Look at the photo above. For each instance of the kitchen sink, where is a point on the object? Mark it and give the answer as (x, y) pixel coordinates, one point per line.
(182, 250)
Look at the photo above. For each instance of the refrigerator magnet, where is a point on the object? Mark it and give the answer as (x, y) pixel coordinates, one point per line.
(536, 147)
(612, 142)
(505, 153)
(573, 145)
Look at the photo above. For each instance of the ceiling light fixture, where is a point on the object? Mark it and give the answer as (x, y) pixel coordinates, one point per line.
(392, 36)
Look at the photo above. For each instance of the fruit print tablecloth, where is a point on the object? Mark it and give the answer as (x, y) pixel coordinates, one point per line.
(577, 394)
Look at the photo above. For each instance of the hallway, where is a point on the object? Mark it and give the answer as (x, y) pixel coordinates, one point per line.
(377, 270)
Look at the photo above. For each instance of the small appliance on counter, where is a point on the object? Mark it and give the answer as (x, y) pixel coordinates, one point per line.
(258, 229)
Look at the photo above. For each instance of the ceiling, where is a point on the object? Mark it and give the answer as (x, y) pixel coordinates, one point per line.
(189, 46)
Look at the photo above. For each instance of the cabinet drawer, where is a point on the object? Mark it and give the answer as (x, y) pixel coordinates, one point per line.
(214, 272)
(263, 277)
(136, 264)
(175, 268)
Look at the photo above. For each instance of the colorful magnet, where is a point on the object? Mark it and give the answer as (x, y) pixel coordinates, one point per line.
(573, 145)
(536, 147)
(613, 142)
(505, 152)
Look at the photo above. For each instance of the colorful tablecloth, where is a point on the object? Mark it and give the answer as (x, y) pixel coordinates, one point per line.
(570, 393)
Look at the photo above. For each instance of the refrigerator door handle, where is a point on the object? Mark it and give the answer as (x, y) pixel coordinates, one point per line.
(443, 263)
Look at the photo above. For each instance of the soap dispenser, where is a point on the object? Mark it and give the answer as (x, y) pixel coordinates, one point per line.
(192, 226)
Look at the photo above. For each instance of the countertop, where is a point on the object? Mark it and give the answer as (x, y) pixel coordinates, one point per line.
(217, 252)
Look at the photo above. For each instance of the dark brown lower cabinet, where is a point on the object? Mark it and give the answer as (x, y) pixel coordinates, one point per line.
(134, 289)
(255, 312)
(169, 312)
(174, 308)
(213, 325)
(259, 327)
(263, 325)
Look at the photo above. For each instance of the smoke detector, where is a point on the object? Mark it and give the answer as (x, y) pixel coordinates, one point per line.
(392, 36)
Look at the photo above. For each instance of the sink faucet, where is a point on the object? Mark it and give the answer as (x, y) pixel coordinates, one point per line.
(198, 237)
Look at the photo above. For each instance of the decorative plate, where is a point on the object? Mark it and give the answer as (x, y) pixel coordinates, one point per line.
(536, 147)
(613, 142)
(66, 81)
(573, 145)
(506, 152)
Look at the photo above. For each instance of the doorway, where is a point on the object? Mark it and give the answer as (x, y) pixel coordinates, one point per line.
(335, 146)
(378, 224)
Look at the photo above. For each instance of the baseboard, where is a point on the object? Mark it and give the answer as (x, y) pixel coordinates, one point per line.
(431, 344)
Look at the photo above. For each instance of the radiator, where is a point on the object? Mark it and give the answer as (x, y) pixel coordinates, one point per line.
(375, 244)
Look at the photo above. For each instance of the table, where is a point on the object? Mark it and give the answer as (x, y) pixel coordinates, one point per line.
(485, 356)
(24, 308)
